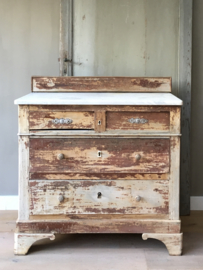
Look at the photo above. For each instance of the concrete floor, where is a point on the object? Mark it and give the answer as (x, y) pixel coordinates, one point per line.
(106, 252)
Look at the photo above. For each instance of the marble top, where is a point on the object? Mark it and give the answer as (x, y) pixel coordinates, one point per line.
(151, 99)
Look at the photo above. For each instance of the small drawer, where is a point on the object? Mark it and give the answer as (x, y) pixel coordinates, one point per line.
(61, 120)
(100, 155)
(152, 121)
(98, 197)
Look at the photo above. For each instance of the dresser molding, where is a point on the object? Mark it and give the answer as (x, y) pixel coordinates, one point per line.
(99, 171)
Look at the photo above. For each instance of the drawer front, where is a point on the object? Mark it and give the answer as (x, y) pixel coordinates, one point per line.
(156, 121)
(61, 120)
(98, 197)
(99, 155)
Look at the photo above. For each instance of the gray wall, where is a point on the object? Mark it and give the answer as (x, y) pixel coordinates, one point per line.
(29, 40)
(126, 38)
(197, 102)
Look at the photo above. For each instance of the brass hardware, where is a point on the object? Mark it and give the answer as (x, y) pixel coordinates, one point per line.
(138, 198)
(62, 121)
(60, 156)
(138, 121)
(61, 198)
(99, 195)
(138, 157)
(99, 153)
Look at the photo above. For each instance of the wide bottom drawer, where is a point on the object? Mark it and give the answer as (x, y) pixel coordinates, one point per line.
(98, 197)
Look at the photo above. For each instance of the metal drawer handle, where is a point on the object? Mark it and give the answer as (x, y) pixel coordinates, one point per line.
(138, 121)
(138, 157)
(99, 153)
(138, 198)
(60, 156)
(62, 121)
(61, 198)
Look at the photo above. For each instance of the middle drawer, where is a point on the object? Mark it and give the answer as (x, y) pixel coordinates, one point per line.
(99, 155)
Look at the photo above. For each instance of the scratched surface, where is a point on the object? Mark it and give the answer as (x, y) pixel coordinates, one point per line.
(81, 197)
(117, 155)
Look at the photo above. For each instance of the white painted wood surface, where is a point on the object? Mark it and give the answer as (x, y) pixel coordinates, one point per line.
(173, 242)
(23, 241)
(142, 99)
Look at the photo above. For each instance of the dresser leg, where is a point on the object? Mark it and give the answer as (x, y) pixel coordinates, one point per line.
(173, 242)
(23, 241)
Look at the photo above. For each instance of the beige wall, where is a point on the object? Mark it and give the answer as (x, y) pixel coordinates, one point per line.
(29, 38)
(197, 102)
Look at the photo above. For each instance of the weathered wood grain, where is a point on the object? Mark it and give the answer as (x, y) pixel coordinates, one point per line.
(117, 155)
(23, 119)
(23, 241)
(23, 166)
(174, 178)
(98, 217)
(100, 226)
(89, 108)
(98, 176)
(155, 121)
(100, 121)
(100, 84)
(173, 242)
(81, 197)
(43, 120)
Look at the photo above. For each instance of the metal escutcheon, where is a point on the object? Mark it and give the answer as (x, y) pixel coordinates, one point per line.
(99, 153)
(138, 121)
(62, 121)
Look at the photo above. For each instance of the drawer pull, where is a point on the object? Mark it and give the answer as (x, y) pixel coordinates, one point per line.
(60, 156)
(138, 121)
(138, 157)
(99, 195)
(61, 198)
(99, 153)
(62, 121)
(138, 198)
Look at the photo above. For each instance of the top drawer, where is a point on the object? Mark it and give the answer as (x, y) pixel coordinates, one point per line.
(61, 120)
(157, 121)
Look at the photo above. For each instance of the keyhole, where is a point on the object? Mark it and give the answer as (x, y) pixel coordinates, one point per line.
(99, 195)
(99, 153)
(99, 123)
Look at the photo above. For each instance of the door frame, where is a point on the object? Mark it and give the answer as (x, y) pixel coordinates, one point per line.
(185, 79)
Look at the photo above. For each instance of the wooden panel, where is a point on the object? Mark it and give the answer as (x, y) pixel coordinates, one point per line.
(117, 155)
(100, 84)
(185, 87)
(98, 176)
(113, 108)
(100, 226)
(155, 121)
(23, 119)
(100, 120)
(43, 120)
(81, 197)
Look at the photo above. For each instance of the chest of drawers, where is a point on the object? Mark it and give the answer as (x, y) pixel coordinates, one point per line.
(99, 155)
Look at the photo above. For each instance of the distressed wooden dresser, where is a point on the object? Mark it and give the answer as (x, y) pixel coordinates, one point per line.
(99, 155)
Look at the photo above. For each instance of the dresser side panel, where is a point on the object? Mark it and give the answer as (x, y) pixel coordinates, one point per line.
(174, 181)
